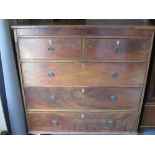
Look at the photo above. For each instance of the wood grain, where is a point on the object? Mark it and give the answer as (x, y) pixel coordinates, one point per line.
(85, 31)
(148, 118)
(82, 122)
(90, 98)
(151, 80)
(37, 48)
(84, 74)
(82, 66)
(105, 49)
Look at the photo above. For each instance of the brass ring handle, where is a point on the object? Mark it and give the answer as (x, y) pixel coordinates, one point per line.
(113, 98)
(51, 74)
(110, 123)
(115, 74)
(53, 99)
(117, 50)
(55, 123)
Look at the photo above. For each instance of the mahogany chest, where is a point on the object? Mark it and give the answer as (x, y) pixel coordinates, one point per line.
(84, 79)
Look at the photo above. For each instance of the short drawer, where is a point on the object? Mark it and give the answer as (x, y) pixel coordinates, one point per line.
(117, 49)
(86, 98)
(148, 116)
(82, 122)
(50, 48)
(84, 74)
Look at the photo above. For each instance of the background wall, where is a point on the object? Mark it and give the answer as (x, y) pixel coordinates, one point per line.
(2, 119)
(13, 93)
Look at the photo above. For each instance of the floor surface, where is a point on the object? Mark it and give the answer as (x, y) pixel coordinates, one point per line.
(148, 132)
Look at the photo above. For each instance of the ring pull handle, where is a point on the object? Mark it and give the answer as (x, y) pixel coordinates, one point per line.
(55, 123)
(110, 123)
(117, 50)
(51, 74)
(115, 74)
(113, 98)
(50, 47)
(53, 99)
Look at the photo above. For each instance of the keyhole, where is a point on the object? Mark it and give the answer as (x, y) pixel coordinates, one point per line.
(83, 91)
(82, 115)
(118, 42)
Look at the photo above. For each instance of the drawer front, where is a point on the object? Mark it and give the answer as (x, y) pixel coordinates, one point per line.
(117, 49)
(90, 98)
(84, 74)
(50, 48)
(148, 117)
(82, 122)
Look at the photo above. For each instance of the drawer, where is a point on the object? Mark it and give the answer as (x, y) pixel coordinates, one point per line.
(50, 48)
(84, 74)
(87, 98)
(82, 122)
(117, 49)
(148, 116)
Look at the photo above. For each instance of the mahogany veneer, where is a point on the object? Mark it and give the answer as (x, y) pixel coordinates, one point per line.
(83, 78)
(92, 98)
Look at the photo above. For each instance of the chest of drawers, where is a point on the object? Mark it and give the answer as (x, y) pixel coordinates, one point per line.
(83, 78)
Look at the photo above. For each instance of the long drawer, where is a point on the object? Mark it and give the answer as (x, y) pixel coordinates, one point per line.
(86, 98)
(117, 49)
(82, 122)
(50, 48)
(84, 74)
